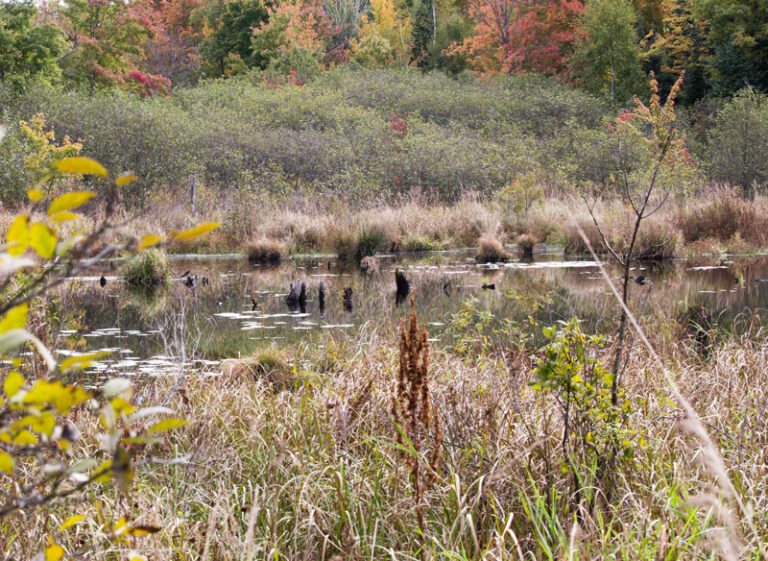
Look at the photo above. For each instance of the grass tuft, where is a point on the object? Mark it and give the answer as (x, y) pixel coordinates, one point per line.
(147, 273)
(491, 250)
(266, 252)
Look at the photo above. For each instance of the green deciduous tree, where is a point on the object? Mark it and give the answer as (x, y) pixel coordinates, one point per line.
(739, 142)
(738, 34)
(607, 60)
(27, 50)
(228, 29)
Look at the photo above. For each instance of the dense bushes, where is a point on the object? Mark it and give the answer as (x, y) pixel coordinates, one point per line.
(359, 136)
(739, 142)
(355, 134)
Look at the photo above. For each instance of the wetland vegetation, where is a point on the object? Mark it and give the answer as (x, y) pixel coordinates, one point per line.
(383, 289)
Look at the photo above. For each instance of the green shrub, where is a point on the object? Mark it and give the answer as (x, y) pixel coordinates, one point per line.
(739, 142)
(333, 136)
(368, 241)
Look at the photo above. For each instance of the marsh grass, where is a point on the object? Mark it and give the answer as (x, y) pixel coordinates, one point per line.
(491, 250)
(316, 471)
(147, 274)
(265, 252)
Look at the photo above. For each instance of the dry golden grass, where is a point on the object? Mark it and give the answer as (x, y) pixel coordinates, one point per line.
(713, 220)
(491, 250)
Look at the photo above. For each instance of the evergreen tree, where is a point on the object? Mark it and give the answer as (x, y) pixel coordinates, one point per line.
(423, 28)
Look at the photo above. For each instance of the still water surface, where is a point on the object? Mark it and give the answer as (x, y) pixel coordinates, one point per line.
(239, 307)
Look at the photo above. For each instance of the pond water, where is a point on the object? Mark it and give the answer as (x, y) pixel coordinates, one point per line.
(234, 308)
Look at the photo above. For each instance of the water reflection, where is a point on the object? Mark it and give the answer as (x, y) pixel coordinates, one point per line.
(241, 307)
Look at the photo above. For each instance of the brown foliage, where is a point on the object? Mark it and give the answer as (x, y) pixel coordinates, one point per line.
(412, 410)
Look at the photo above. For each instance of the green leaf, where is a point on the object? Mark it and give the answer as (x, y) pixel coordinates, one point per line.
(166, 424)
(68, 201)
(15, 318)
(196, 232)
(81, 165)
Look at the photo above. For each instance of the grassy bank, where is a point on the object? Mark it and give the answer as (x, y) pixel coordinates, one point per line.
(314, 472)
(716, 221)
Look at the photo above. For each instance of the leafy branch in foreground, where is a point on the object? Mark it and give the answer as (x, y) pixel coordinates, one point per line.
(43, 456)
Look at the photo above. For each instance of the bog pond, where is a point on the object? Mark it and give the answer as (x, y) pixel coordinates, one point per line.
(234, 308)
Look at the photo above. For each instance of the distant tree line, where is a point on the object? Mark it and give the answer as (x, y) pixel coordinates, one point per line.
(603, 46)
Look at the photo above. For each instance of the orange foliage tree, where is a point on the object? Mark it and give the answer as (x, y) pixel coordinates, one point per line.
(514, 37)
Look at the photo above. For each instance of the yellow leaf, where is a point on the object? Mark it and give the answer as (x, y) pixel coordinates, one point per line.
(82, 361)
(35, 195)
(149, 240)
(12, 384)
(44, 423)
(15, 318)
(104, 471)
(125, 179)
(17, 236)
(63, 397)
(24, 438)
(196, 232)
(121, 406)
(68, 201)
(42, 239)
(6, 462)
(141, 530)
(81, 165)
(53, 552)
(64, 216)
(71, 521)
(166, 424)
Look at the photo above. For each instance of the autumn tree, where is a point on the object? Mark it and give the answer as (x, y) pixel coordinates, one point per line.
(681, 46)
(383, 36)
(512, 37)
(27, 50)
(172, 51)
(543, 37)
(296, 35)
(106, 38)
(346, 15)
